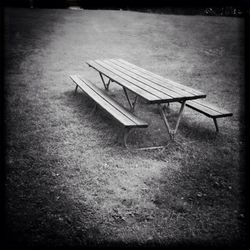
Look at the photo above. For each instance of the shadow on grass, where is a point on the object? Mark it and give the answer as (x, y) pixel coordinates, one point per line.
(199, 131)
(101, 120)
(189, 130)
(204, 198)
(41, 212)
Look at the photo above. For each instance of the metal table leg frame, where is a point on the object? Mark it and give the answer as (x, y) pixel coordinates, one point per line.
(131, 104)
(106, 85)
(171, 132)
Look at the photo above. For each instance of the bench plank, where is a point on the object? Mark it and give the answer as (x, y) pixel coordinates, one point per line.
(136, 120)
(112, 107)
(135, 89)
(208, 109)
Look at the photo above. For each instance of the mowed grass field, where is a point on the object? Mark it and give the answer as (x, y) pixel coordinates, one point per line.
(69, 180)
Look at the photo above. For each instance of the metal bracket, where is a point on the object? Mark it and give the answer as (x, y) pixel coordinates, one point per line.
(106, 85)
(131, 104)
(171, 132)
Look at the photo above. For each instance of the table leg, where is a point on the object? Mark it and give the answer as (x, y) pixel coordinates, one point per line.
(106, 85)
(131, 104)
(171, 132)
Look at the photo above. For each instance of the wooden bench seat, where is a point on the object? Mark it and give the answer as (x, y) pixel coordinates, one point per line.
(127, 119)
(208, 110)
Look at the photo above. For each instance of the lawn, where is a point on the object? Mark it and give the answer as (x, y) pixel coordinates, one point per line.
(69, 181)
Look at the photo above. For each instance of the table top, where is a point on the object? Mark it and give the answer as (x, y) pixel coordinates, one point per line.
(150, 86)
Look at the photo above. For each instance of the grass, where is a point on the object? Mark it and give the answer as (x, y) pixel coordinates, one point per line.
(69, 182)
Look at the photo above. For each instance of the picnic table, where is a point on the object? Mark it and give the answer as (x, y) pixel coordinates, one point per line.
(144, 84)
(147, 85)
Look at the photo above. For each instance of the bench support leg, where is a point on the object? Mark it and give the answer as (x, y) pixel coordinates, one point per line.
(171, 132)
(131, 104)
(125, 136)
(94, 109)
(106, 85)
(216, 125)
(76, 89)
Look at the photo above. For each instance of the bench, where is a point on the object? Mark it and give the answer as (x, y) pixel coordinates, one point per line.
(208, 110)
(118, 112)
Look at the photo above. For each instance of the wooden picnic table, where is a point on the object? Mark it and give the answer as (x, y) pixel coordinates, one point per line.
(153, 88)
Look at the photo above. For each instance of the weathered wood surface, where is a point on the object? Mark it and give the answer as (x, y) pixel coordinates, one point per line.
(153, 88)
(106, 102)
(208, 109)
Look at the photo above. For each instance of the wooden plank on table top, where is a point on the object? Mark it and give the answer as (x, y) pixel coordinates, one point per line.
(141, 92)
(133, 81)
(162, 79)
(145, 94)
(151, 90)
(205, 105)
(169, 91)
(117, 111)
(183, 90)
